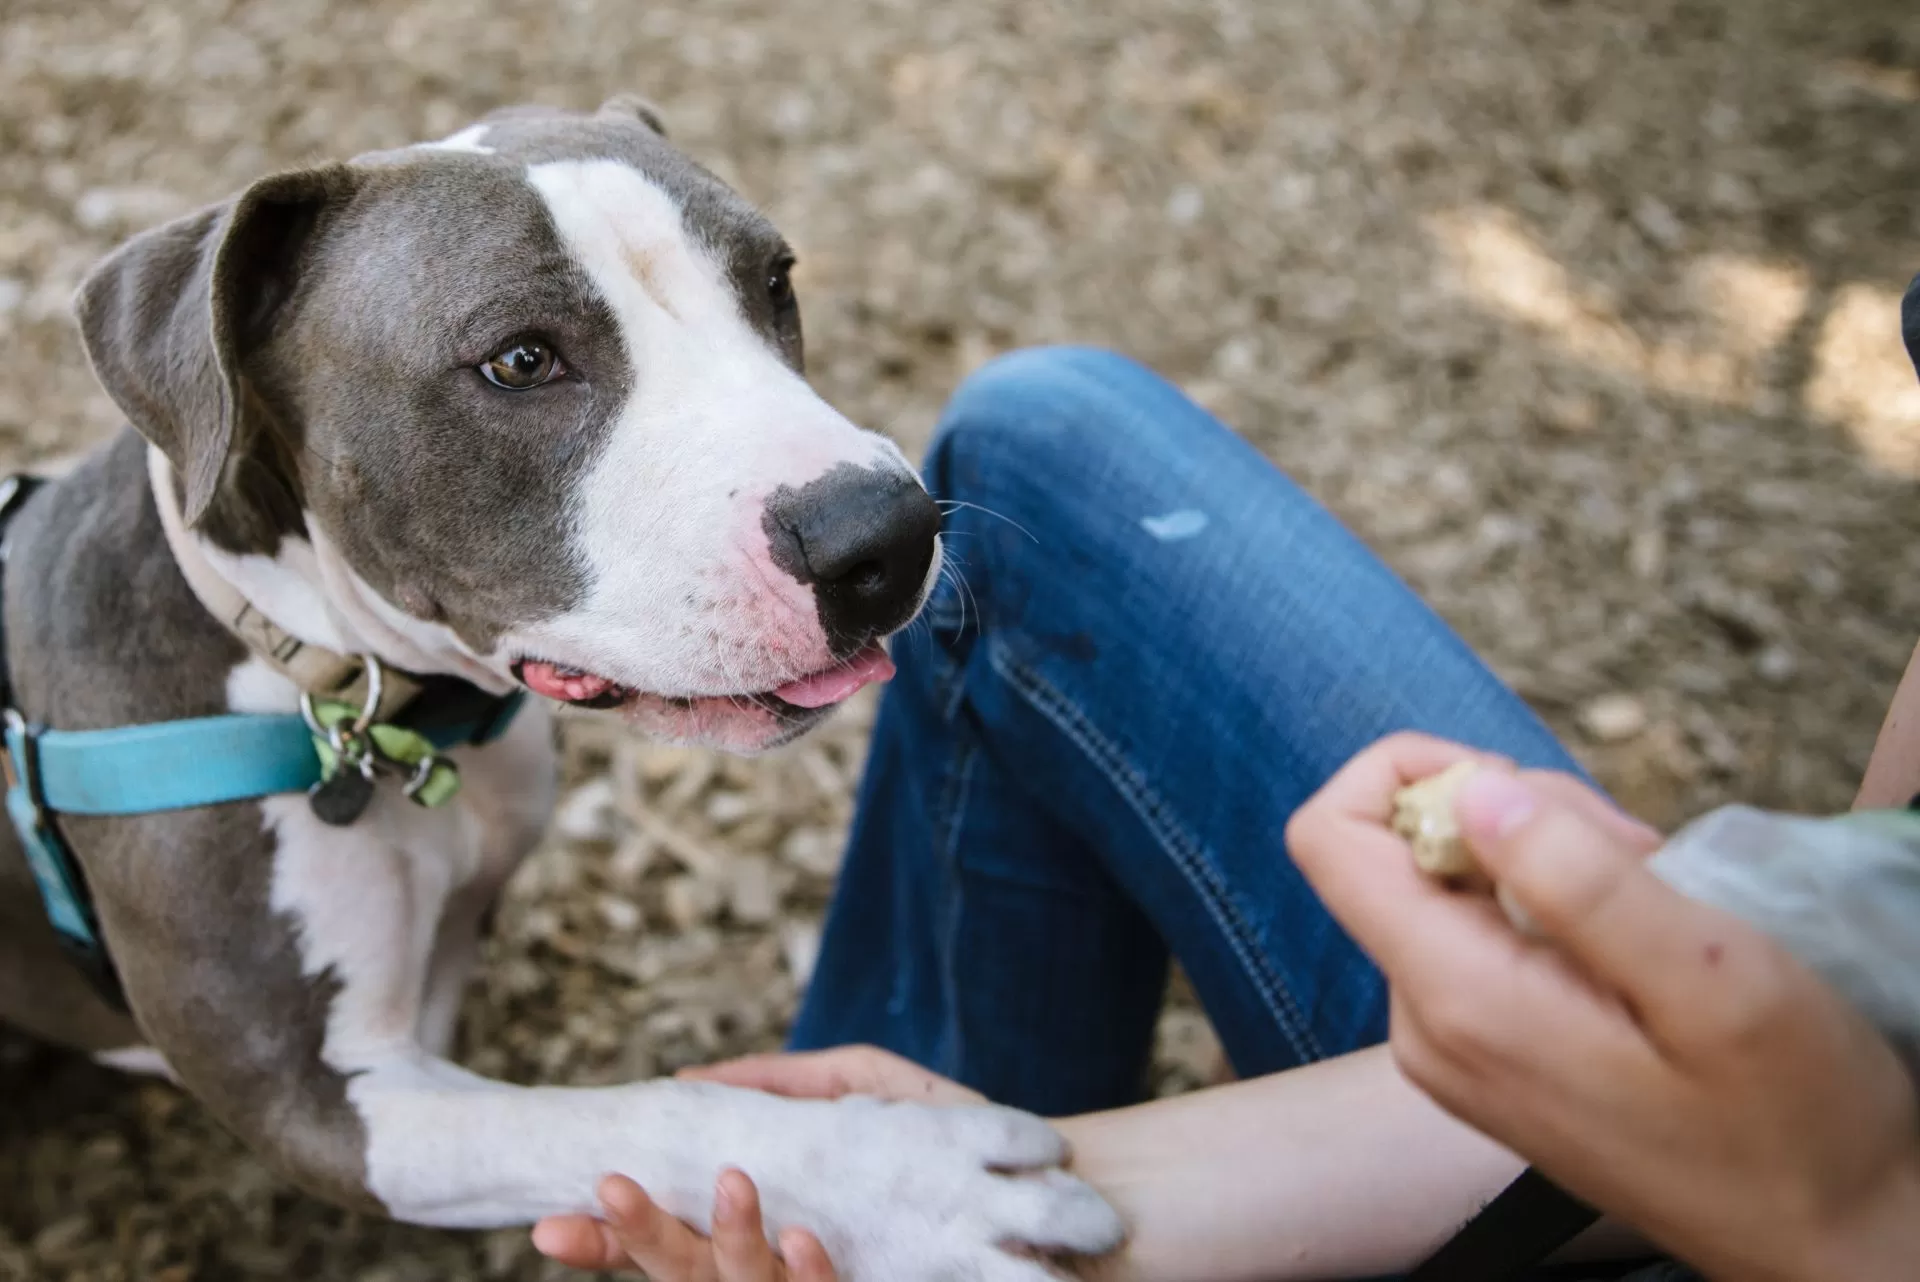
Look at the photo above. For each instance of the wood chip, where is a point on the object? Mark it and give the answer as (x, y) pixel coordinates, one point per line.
(691, 901)
(753, 899)
(588, 813)
(1614, 718)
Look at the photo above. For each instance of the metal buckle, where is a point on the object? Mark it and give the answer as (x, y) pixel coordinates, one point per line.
(15, 723)
(369, 709)
(421, 773)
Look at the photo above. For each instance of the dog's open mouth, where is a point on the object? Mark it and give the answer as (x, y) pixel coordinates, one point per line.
(817, 690)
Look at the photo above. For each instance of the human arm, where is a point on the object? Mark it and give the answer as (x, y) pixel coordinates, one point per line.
(1337, 1169)
(1893, 771)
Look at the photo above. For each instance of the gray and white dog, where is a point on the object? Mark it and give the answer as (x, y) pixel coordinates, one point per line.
(520, 406)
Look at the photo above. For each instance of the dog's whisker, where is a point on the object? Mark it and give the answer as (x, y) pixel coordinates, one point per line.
(966, 592)
(732, 678)
(950, 572)
(971, 597)
(950, 506)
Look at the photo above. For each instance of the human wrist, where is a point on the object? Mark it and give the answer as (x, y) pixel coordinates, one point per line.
(1878, 1240)
(1095, 1160)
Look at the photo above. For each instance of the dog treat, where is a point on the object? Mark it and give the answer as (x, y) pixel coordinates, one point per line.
(1423, 814)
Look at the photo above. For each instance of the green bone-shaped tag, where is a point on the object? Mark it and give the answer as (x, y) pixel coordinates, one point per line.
(438, 779)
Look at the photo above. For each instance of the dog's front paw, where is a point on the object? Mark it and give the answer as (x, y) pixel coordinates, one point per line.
(913, 1193)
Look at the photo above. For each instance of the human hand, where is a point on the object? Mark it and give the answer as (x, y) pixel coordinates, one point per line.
(829, 1074)
(638, 1236)
(1656, 1056)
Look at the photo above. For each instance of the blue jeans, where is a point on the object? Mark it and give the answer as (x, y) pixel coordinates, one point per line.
(1153, 648)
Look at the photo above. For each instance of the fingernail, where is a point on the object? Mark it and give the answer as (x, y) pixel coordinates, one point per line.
(1492, 805)
(723, 1206)
(619, 1198)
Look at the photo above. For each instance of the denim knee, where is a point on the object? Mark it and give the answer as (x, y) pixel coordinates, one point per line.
(1080, 435)
(1049, 415)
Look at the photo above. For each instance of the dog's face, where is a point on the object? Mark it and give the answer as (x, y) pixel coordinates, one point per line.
(529, 399)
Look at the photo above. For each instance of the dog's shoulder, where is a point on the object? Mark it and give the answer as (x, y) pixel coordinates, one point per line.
(101, 627)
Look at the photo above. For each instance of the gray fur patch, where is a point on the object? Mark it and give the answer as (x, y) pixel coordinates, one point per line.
(211, 972)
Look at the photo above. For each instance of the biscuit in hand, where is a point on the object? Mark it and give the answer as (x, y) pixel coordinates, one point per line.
(1423, 815)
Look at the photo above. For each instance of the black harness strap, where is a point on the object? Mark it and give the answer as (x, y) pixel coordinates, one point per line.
(445, 702)
(1530, 1220)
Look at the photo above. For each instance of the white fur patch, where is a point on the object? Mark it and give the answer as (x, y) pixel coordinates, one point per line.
(895, 1192)
(683, 598)
(467, 139)
(141, 1061)
(255, 688)
(385, 908)
(370, 899)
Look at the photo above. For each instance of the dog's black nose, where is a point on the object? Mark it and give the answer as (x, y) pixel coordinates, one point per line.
(862, 538)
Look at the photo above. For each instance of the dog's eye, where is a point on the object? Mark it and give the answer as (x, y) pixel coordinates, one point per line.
(780, 284)
(522, 365)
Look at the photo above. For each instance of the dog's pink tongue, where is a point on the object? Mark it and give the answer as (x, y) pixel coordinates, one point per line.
(823, 688)
(563, 684)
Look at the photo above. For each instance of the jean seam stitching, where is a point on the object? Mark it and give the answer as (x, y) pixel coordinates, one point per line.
(1172, 838)
(953, 802)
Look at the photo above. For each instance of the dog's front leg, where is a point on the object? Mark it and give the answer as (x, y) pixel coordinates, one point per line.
(295, 1018)
(509, 793)
(895, 1191)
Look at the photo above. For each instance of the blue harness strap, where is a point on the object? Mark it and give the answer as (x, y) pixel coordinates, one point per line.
(164, 765)
(177, 765)
(169, 765)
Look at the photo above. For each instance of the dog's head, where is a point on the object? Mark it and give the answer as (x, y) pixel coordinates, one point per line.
(529, 401)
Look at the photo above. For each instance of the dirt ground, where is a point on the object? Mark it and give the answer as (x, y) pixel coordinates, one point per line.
(1583, 312)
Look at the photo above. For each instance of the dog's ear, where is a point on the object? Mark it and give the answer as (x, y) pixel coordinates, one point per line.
(634, 107)
(169, 318)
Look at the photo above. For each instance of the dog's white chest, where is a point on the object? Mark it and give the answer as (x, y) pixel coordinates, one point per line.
(387, 905)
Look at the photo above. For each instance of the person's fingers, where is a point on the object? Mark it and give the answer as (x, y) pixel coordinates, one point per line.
(1341, 841)
(740, 1250)
(814, 1075)
(1365, 785)
(580, 1242)
(1588, 889)
(1556, 785)
(663, 1247)
(806, 1259)
(1503, 1015)
(1364, 873)
(829, 1074)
